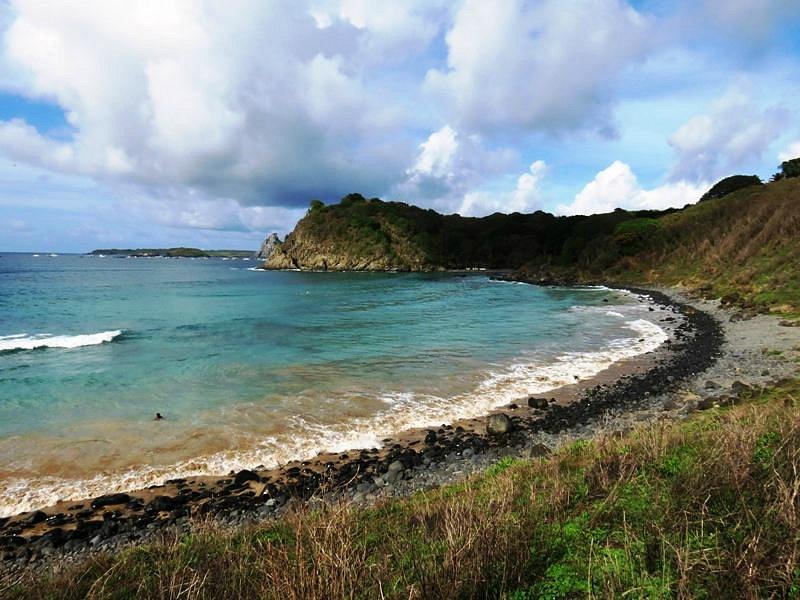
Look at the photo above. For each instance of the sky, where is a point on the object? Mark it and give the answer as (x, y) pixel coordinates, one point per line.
(211, 124)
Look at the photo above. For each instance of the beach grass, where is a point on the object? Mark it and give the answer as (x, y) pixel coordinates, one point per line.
(708, 507)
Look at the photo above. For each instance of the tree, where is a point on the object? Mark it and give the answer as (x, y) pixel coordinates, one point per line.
(788, 169)
(729, 185)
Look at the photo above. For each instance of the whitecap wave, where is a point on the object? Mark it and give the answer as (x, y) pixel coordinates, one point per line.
(23, 341)
(305, 438)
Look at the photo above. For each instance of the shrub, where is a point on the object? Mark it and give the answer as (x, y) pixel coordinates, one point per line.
(729, 185)
(788, 169)
(632, 236)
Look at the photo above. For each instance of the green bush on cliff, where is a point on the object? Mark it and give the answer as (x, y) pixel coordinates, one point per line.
(729, 185)
(788, 169)
(632, 236)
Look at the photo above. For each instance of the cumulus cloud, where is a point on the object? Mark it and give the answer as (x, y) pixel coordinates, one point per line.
(526, 197)
(241, 100)
(210, 215)
(617, 187)
(548, 65)
(733, 131)
(392, 30)
(450, 165)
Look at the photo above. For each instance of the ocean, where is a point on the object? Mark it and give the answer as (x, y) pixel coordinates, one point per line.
(253, 368)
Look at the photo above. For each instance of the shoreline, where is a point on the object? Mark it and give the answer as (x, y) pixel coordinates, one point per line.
(408, 462)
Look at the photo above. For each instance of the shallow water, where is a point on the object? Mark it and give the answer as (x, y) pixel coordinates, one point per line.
(253, 367)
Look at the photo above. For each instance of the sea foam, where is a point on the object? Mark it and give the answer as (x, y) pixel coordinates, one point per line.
(403, 410)
(23, 341)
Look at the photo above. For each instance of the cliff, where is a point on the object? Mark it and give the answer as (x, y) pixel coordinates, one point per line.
(268, 246)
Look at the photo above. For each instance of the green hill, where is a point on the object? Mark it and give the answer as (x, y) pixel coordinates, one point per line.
(361, 234)
(746, 240)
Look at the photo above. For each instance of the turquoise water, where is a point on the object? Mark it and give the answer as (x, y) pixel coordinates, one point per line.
(251, 367)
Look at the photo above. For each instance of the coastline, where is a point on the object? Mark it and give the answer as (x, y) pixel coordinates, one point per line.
(660, 386)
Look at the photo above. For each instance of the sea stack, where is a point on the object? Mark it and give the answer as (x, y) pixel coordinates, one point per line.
(268, 246)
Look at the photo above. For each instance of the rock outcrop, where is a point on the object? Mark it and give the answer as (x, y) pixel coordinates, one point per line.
(269, 246)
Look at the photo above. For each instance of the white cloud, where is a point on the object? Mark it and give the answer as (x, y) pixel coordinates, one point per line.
(391, 30)
(210, 215)
(617, 187)
(547, 65)
(791, 151)
(438, 152)
(244, 100)
(732, 132)
(450, 165)
(526, 197)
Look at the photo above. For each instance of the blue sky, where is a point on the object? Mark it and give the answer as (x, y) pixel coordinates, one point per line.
(160, 124)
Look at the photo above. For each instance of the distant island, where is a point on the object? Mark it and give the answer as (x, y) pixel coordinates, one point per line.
(180, 252)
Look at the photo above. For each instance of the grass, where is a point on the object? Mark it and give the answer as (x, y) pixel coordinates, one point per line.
(706, 508)
(746, 243)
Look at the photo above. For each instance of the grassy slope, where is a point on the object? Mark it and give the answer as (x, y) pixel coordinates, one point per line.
(747, 243)
(705, 508)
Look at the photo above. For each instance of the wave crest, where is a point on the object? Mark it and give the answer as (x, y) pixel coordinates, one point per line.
(23, 341)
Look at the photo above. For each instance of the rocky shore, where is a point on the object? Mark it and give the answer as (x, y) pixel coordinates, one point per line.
(710, 359)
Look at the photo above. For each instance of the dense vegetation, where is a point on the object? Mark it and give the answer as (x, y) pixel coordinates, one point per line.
(788, 169)
(729, 185)
(706, 508)
(410, 238)
(743, 238)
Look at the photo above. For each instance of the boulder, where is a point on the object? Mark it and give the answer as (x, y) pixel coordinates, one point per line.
(705, 404)
(395, 467)
(740, 389)
(244, 476)
(499, 424)
(538, 450)
(110, 500)
(538, 403)
(34, 518)
(430, 438)
(164, 503)
(268, 246)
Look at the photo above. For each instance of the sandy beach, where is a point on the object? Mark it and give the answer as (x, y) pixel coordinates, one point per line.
(712, 357)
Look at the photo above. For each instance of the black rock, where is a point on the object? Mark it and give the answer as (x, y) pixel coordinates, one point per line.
(163, 503)
(705, 404)
(110, 500)
(538, 450)
(12, 541)
(431, 437)
(244, 476)
(538, 403)
(34, 518)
